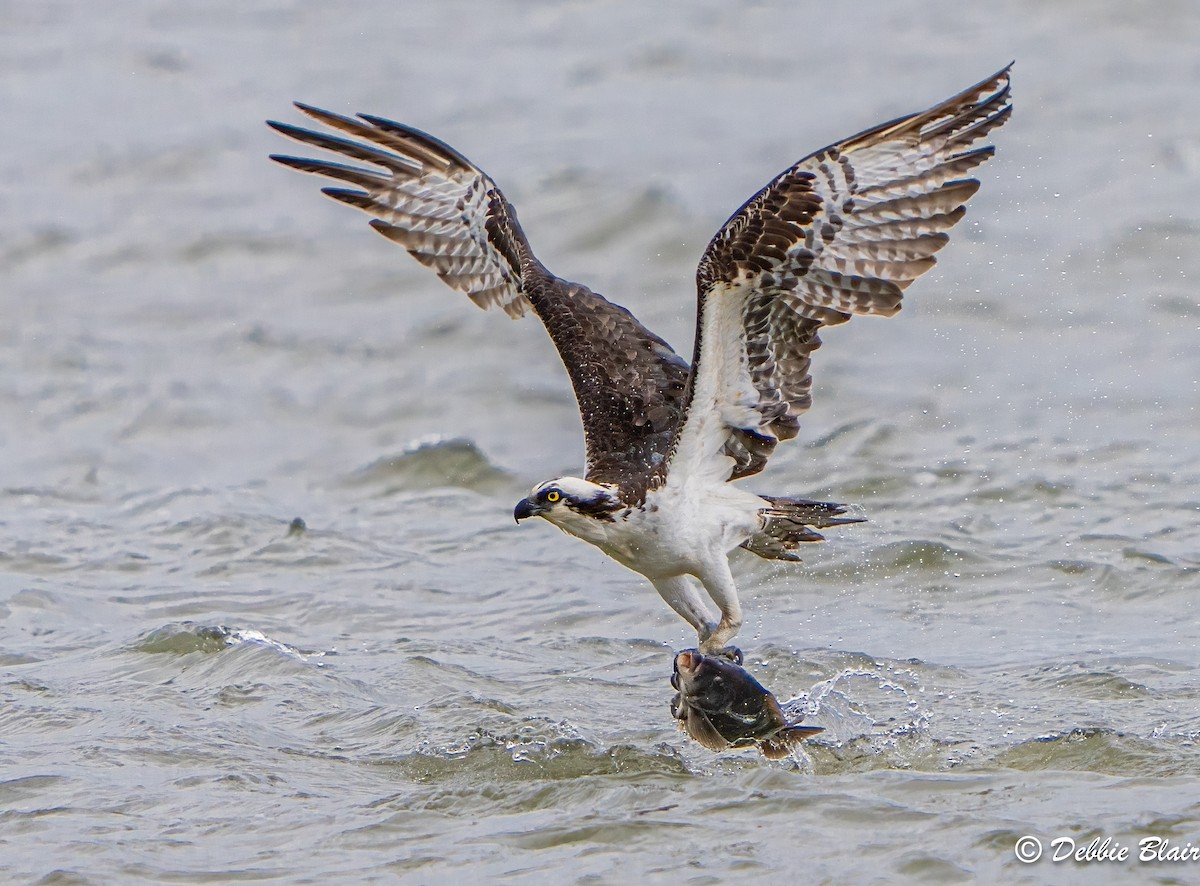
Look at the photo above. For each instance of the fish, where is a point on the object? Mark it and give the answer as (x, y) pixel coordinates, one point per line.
(722, 706)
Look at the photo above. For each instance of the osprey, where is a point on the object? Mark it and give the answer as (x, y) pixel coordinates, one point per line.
(842, 232)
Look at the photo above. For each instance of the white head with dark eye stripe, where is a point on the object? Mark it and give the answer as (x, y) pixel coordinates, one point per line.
(567, 500)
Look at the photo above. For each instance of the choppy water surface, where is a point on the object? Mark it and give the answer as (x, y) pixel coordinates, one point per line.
(195, 349)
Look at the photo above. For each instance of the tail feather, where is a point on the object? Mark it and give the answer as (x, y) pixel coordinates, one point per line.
(789, 522)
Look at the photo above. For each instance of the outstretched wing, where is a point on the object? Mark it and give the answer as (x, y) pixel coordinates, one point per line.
(428, 198)
(452, 218)
(842, 232)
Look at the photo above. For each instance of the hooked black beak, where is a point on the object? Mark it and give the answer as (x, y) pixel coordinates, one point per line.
(525, 508)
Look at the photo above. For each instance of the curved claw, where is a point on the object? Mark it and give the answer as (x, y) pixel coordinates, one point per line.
(732, 653)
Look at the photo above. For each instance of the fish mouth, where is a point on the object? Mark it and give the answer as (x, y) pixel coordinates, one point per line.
(688, 659)
(690, 665)
(686, 663)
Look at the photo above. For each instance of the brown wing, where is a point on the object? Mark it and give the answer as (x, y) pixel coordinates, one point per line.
(842, 232)
(452, 218)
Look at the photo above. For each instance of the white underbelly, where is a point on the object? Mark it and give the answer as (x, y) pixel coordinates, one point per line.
(673, 535)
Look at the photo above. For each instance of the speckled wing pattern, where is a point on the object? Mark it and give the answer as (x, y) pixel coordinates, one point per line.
(427, 197)
(452, 218)
(842, 232)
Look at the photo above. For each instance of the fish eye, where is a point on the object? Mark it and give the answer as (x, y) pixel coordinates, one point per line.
(553, 495)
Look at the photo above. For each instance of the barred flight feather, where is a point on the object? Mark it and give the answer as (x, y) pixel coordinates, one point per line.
(842, 232)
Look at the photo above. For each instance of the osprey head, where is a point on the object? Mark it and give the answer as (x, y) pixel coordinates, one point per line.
(568, 499)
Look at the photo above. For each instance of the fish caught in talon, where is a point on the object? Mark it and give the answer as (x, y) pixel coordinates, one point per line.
(721, 705)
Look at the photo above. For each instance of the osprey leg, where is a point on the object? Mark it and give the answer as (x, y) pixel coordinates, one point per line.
(684, 597)
(718, 581)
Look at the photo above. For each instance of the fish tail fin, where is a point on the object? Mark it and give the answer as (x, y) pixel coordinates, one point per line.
(780, 744)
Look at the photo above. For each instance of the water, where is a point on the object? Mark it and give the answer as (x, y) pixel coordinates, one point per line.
(197, 349)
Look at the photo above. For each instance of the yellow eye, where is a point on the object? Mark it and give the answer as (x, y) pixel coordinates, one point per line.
(553, 495)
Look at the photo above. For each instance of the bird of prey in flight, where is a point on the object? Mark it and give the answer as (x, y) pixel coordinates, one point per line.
(842, 232)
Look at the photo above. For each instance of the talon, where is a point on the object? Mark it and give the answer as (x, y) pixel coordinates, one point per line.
(732, 653)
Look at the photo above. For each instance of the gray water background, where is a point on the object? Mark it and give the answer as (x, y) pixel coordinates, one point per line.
(196, 347)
